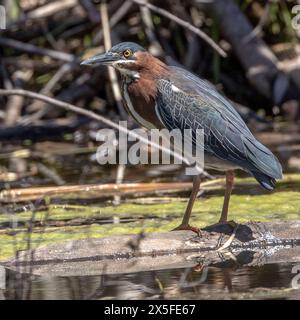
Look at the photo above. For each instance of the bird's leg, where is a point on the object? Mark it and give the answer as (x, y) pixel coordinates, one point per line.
(188, 211)
(229, 186)
(186, 218)
(224, 214)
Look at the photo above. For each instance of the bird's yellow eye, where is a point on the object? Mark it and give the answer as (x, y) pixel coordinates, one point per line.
(127, 53)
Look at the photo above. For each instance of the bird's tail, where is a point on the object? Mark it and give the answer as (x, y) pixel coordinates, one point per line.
(264, 180)
(266, 167)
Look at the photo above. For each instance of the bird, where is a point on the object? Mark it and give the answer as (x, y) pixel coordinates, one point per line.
(158, 95)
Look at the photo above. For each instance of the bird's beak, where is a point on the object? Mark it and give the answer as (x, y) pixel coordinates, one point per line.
(106, 58)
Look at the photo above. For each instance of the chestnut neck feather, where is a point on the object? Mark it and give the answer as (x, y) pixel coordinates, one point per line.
(150, 71)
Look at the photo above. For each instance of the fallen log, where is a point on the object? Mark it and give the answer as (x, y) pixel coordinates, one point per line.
(255, 243)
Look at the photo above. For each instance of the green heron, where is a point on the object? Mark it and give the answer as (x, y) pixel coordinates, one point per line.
(158, 95)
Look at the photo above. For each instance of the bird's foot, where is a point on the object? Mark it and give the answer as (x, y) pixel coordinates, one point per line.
(188, 227)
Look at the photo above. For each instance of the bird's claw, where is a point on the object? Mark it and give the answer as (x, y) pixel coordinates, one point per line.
(188, 227)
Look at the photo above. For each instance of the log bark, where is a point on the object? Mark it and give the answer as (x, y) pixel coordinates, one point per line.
(254, 244)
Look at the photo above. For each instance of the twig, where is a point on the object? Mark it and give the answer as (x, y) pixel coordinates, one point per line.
(258, 29)
(155, 47)
(30, 48)
(51, 8)
(115, 18)
(14, 104)
(38, 105)
(114, 84)
(19, 62)
(119, 179)
(111, 72)
(184, 24)
(26, 194)
(90, 114)
(51, 174)
(91, 11)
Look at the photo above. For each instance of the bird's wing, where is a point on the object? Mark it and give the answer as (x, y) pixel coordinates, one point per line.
(187, 102)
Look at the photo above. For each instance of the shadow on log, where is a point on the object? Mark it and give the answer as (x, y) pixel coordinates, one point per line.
(255, 243)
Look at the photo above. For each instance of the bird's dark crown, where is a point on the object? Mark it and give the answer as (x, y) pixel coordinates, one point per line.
(123, 46)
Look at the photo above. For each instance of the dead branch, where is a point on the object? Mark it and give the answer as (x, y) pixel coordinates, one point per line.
(111, 72)
(98, 190)
(30, 48)
(90, 114)
(184, 24)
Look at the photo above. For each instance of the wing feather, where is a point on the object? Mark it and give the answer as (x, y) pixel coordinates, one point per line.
(185, 101)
